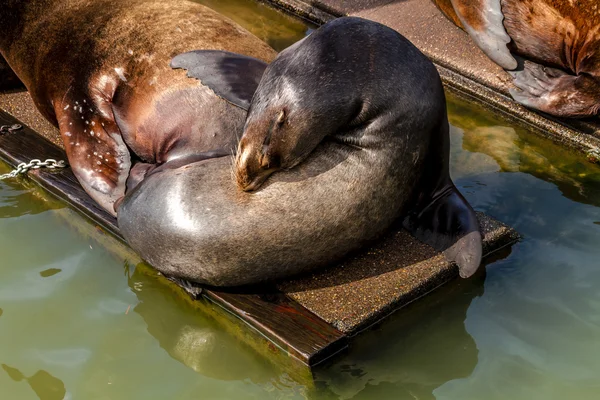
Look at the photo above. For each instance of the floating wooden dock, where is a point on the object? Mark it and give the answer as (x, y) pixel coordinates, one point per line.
(310, 318)
(313, 317)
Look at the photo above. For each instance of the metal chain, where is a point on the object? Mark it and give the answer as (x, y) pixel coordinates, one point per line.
(34, 164)
(9, 128)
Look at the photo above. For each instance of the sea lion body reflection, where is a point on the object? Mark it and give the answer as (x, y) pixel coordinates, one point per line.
(100, 70)
(559, 38)
(364, 138)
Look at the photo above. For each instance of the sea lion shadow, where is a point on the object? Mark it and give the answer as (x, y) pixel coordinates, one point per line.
(9, 82)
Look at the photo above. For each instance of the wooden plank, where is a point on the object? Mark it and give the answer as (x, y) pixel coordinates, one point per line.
(314, 339)
(280, 319)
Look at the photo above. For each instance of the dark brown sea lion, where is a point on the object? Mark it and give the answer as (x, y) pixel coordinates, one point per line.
(356, 116)
(100, 71)
(561, 38)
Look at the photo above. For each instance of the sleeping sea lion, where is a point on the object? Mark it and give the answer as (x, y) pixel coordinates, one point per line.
(100, 71)
(560, 38)
(346, 133)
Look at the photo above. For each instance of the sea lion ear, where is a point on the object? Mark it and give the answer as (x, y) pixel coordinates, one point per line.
(233, 77)
(448, 224)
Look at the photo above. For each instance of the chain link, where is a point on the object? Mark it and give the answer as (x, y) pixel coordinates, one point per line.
(33, 164)
(9, 128)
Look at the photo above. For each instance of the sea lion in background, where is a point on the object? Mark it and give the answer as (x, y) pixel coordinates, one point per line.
(100, 71)
(355, 116)
(560, 37)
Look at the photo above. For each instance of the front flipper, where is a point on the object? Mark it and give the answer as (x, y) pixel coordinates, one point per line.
(97, 154)
(556, 92)
(448, 224)
(233, 77)
(482, 20)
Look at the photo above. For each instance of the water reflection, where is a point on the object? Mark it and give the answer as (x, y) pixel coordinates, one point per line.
(17, 201)
(276, 28)
(192, 338)
(45, 386)
(488, 144)
(420, 349)
(533, 333)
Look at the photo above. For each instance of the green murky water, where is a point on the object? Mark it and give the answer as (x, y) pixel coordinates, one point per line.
(78, 320)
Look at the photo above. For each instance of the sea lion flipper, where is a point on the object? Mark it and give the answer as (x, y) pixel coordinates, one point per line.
(553, 91)
(97, 154)
(482, 20)
(233, 77)
(449, 224)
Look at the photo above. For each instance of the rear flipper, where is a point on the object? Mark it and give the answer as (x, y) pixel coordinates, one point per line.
(448, 224)
(483, 21)
(556, 92)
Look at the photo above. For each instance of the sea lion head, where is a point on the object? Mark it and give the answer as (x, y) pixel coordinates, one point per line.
(288, 117)
(275, 137)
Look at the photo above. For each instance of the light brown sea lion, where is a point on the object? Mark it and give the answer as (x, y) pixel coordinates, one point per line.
(349, 125)
(561, 38)
(100, 70)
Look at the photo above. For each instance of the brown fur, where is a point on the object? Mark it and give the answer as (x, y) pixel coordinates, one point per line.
(563, 34)
(552, 32)
(447, 9)
(102, 67)
(555, 33)
(470, 10)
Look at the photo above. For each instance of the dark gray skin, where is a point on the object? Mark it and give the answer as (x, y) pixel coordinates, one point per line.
(354, 119)
(100, 71)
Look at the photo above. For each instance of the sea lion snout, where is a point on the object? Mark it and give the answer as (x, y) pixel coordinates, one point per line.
(275, 138)
(261, 151)
(254, 163)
